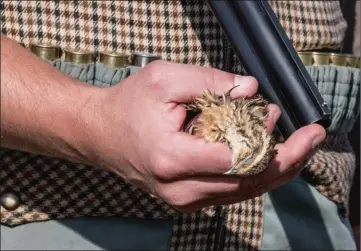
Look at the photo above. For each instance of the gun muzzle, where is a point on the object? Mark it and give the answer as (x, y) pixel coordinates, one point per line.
(266, 52)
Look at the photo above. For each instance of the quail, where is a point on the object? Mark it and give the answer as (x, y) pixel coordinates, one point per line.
(239, 123)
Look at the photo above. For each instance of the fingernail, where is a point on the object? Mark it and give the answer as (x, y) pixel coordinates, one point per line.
(317, 140)
(243, 83)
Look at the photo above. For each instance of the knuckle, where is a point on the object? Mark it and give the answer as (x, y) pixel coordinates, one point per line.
(180, 201)
(153, 71)
(156, 63)
(258, 192)
(257, 187)
(163, 167)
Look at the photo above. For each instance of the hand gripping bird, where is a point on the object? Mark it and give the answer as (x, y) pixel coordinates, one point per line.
(240, 124)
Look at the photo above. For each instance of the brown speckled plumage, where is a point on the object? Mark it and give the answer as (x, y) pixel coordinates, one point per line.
(238, 123)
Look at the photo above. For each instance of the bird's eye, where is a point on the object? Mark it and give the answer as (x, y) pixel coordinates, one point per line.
(248, 161)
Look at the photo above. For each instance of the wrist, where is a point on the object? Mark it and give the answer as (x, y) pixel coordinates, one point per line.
(72, 122)
(101, 129)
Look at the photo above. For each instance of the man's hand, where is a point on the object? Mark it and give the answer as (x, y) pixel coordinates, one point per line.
(134, 129)
(137, 133)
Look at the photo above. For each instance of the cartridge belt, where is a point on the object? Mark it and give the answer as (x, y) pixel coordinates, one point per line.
(77, 56)
(140, 59)
(329, 58)
(87, 65)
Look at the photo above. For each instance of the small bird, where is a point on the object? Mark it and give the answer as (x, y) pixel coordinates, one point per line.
(240, 124)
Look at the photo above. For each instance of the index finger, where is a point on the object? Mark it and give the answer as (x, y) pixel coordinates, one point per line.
(186, 82)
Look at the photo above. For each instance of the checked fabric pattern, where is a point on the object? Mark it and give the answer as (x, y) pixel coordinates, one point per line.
(181, 31)
(311, 24)
(51, 188)
(148, 26)
(331, 170)
(125, 26)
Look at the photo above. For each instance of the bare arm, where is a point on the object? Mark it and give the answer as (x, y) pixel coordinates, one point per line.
(41, 108)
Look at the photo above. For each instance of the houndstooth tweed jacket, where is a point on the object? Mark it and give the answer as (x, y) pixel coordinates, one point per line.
(183, 31)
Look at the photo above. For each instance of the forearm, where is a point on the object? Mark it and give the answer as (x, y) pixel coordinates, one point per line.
(42, 110)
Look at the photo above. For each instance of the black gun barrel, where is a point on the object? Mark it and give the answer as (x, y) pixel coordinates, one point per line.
(266, 53)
